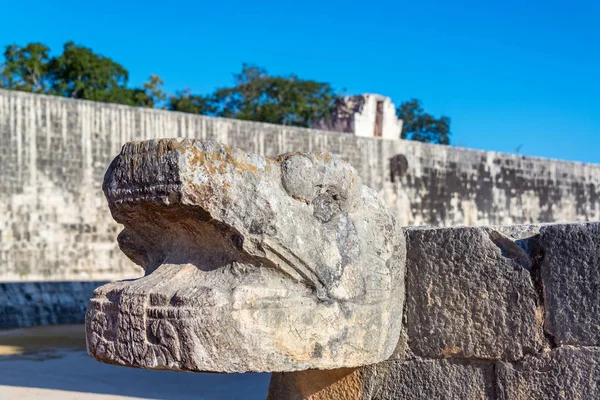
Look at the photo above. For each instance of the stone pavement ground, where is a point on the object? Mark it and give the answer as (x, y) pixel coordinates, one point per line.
(51, 363)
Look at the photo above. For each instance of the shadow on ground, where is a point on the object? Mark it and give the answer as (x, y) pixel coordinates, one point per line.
(51, 362)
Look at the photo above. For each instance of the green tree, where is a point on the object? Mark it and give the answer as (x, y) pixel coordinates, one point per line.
(78, 72)
(151, 95)
(185, 101)
(258, 96)
(25, 68)
(82, 74)
(421, 126)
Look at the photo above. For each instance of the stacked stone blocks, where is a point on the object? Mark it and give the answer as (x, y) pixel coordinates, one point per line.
(292, 265)
(55, 151)
(491, 313)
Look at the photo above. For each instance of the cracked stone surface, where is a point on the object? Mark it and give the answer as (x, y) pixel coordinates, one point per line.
(570, 272)
(564, 373)
(251, 264)
(470, 294)
(436, 379)
(393, 380)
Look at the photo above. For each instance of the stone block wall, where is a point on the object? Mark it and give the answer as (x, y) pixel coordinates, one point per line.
(55, 225)
(25, 304)
(490, 313)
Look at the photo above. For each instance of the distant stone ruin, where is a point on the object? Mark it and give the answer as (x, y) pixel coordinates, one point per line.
(291, 265)
(365, 115)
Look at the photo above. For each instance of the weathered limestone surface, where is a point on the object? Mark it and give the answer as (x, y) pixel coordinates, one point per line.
(570, 273)
(565, 373)
(231, 285)
(473, 321)
(251, 264)
(55, 152)
(470, 295)
(435, 379)
(393, 380)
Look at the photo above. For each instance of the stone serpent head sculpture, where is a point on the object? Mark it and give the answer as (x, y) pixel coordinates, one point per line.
(251, 263)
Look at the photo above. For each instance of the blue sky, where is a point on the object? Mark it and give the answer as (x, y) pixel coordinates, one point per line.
(509, 73)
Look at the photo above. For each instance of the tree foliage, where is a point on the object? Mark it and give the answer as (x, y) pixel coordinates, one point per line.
(78, 73)
(255, 95)
(151, 94)
(25, 68)
(421, 126)
(185, 101)
(82, 74)
(258, 96)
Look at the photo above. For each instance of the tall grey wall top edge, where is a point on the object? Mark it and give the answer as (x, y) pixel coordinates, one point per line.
(15, 93)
